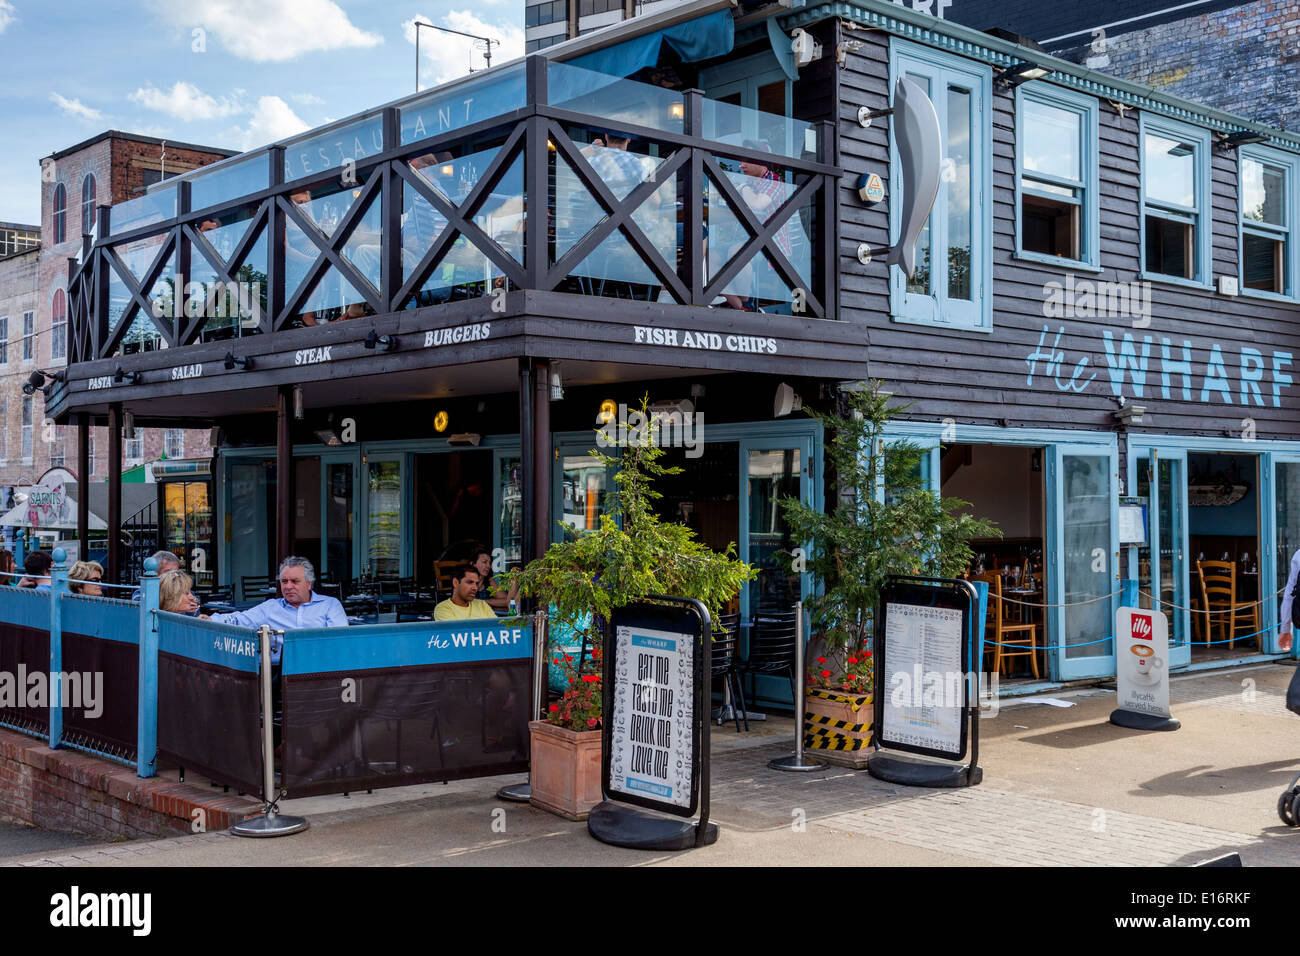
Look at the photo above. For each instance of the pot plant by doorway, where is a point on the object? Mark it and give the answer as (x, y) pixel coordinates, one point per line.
(902, 527)
(630, 556)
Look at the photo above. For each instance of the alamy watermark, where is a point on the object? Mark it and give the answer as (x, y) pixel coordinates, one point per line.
(1086, 299)
(77, 690)
(665, 428)
(216, 300)
(945, 689)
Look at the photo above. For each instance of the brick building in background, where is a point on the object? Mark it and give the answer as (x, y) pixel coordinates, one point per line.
(109, 168)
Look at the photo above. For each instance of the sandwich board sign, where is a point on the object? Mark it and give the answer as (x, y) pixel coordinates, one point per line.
(1142, 670)
(656, 725)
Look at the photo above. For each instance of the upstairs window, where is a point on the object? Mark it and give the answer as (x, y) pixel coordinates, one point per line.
(59, 328)
(1056, 159)
(29, 335)
(1175, 201)
(4, 340)
(60, 214)
(954, 267)
(88, 204)
(1267, 179)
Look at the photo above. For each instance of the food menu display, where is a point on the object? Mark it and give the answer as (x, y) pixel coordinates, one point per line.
(924, 679)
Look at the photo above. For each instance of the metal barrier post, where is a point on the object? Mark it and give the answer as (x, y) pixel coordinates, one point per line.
(797, 761)
(1129, 595)
(19, 540)
(58, 587)
(147, 720)
(270, 823)
(522, 792)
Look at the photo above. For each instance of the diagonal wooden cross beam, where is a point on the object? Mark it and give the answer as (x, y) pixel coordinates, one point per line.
(761, 235)
(139, 302)
(618, 216)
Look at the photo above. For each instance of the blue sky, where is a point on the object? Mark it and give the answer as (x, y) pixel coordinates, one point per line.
(230, 73)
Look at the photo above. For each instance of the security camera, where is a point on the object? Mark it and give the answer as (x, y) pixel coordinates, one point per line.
(29, 388)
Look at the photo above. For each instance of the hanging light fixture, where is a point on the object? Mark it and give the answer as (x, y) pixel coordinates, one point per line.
(297, 403)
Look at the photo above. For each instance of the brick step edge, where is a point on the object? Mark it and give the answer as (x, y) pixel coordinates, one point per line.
(71, 790)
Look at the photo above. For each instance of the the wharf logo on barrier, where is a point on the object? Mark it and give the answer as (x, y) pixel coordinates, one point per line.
(326, 650)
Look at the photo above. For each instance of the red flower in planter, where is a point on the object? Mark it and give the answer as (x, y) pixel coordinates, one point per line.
(555, 708)
(592, 721)
(853, 660)
(821, 660)
(826, 673)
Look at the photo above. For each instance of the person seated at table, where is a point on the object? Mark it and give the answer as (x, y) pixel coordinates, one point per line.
(84, 578)
(167, 561)
(464, 604)
(176, 594)
(481, 559)
(37, 567)
(297, 607)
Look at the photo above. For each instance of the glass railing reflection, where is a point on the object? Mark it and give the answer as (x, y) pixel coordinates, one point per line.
(145, 210)
(754, 129)
(451, 108)
(615, 99)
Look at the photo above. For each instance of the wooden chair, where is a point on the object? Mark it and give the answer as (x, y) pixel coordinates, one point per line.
(442, 575)
(1219, 597)
(1003, 632)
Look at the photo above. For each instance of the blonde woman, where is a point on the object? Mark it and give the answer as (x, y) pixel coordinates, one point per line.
(175, 594)
(84, 578)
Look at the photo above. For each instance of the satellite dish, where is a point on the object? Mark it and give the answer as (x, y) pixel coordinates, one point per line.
(787, 401)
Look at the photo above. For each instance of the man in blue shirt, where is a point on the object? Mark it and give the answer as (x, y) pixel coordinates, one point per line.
(297, 607)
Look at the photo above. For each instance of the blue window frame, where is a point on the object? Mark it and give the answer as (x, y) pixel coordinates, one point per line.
(954, 275)
(1266, 207)
(1176, 214)
(1056, 176)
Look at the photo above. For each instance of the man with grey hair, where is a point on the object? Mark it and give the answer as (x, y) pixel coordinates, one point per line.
(167, 561)
(296, 607)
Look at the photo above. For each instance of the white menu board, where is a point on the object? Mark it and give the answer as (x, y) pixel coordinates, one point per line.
(653, 712)
(924, 679)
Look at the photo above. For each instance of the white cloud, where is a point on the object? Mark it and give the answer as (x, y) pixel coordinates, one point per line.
(75, 107)
(269, 30)
(307, 99)
(8, 14)
(186, 101)
(272, 119)
(445, 56)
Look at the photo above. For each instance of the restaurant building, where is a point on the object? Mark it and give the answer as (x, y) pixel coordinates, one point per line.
(405, 357)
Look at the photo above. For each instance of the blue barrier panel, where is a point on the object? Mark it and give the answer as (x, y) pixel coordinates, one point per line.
(101, 657)
(209, 700)
(25, 660)
(395, 704)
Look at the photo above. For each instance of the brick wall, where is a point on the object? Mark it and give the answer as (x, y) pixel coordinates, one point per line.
(1245, 60)
(119, 167)
(71, 791)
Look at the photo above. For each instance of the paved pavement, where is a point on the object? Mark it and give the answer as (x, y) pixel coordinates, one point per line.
(1062, 787)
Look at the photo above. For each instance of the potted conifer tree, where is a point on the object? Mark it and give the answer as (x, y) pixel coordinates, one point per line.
(586, 577)
(886, 521)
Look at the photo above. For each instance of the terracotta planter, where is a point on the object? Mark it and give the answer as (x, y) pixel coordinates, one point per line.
(837, 727)
(565, 772)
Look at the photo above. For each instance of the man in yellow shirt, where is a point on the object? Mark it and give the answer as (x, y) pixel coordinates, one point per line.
(463, 605)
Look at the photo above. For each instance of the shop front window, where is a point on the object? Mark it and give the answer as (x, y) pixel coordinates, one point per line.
(384, 545)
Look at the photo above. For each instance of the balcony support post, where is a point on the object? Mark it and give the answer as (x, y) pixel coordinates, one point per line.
(390, 264)
(113, 571)
(283, 473)
(83, 485)
(693, 254)
(537, 180)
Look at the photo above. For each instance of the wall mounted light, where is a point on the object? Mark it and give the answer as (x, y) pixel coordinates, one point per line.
(1019, 73)
(1242, 137)
(120, 375)
(1130, 414)
(386, 342)
(242, 362)
(440, 421)
(297, 403)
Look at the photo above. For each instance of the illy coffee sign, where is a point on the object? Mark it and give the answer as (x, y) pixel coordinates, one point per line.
(1142, 667)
